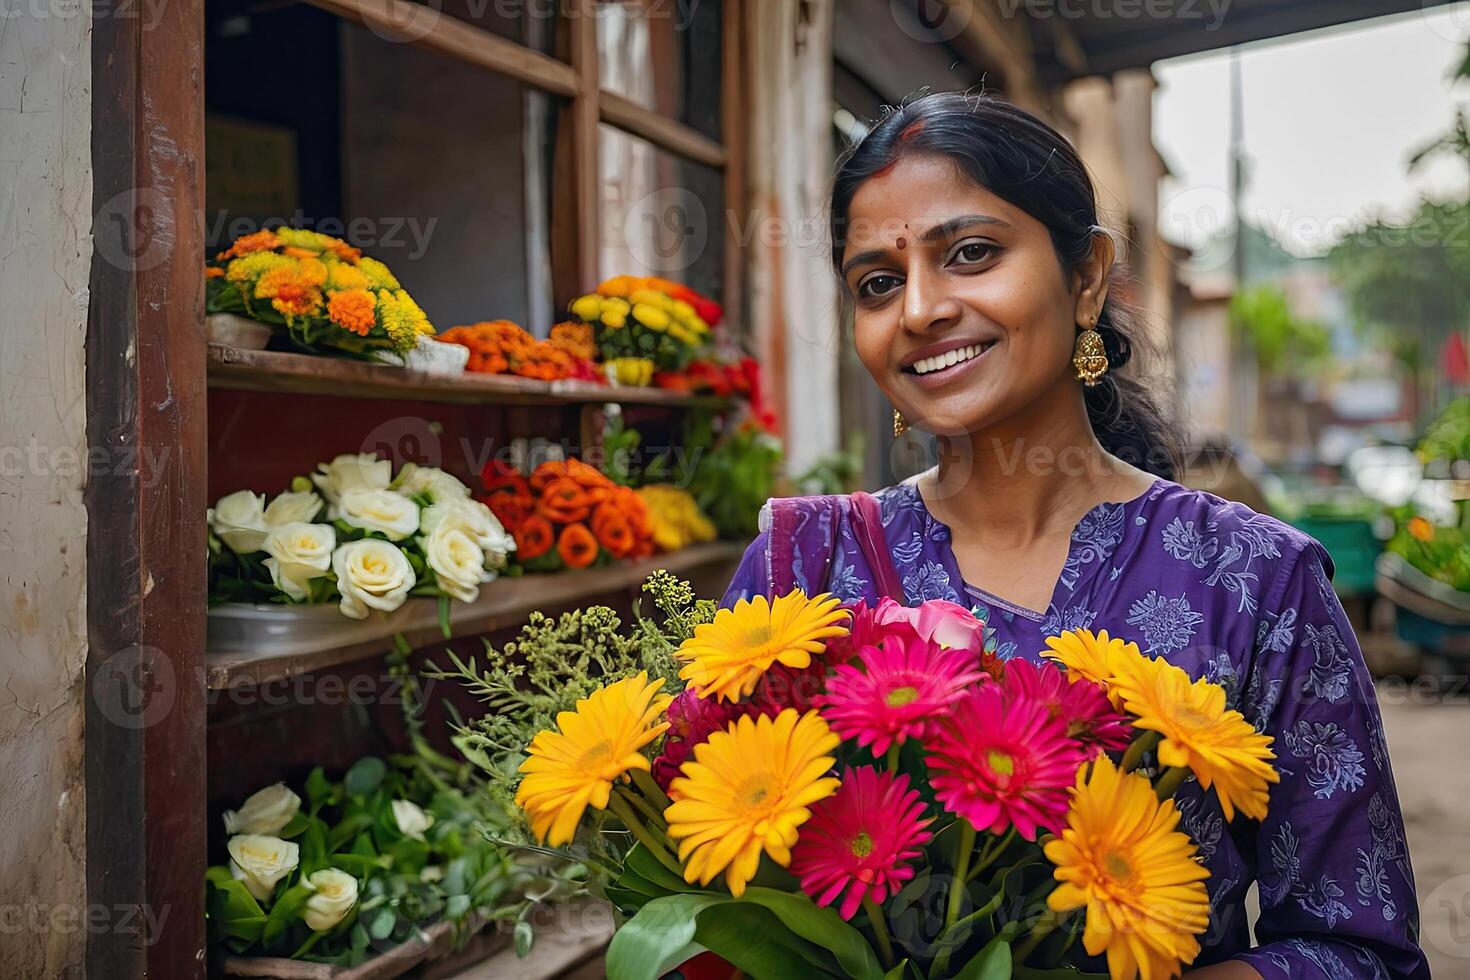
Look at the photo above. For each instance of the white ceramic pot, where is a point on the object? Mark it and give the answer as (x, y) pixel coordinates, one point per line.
(430, 357)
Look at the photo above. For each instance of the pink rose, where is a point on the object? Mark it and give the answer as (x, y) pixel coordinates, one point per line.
(935, 621)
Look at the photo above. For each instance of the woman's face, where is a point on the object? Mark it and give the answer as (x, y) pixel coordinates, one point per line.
(964, 314)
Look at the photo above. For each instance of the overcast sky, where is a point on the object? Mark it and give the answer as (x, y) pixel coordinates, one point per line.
(1331, 118)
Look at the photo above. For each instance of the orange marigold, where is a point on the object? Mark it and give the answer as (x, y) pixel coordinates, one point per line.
(353, 310)
(260, 241)
(291, 292)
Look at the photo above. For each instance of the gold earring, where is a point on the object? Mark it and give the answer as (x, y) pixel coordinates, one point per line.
(900, 424)
(1089, 356)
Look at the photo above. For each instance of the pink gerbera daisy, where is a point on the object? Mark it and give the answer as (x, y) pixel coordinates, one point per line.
(861, 840)
(899, 691)
(1000, 760)
(1083, 705)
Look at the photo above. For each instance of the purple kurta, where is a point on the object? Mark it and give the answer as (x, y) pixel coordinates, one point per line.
(1246, 601)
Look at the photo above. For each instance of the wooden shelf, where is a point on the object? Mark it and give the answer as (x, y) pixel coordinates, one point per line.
(303, 374)
(502, 603)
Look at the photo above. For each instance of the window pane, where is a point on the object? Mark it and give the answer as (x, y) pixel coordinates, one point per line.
(664, 56)
(435, 167)
(662, 215)
(530, 23)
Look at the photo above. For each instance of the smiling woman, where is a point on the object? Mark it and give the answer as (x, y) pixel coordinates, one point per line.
(966, 234)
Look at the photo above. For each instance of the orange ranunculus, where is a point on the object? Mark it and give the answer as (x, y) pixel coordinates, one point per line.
(353, 310)
(563, 501)
(552, 469)
(511, 509)
(497, 476)
(613, 531)
(586, 476)
(1420, 529)
(577, 546)
(534, 538)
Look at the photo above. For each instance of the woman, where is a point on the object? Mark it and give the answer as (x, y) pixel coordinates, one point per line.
(965, 232)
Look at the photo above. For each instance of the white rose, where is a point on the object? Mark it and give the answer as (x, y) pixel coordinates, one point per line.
(440, 486)
(333, 893)
(412, 820)
(265, 812)
(292, 507)
(458, 563)
(377, 510)
(239, 521)
(371, 574)
(362, 471)
(299, 553)
(261, 861)
(475, 519)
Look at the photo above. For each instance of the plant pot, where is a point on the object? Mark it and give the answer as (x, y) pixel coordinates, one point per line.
(273, 630)
(233, 330)
(430, 357)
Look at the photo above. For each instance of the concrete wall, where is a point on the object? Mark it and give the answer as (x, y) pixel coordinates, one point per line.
(45, 254)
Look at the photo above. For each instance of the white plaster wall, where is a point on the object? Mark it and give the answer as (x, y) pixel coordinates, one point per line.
(45, 254)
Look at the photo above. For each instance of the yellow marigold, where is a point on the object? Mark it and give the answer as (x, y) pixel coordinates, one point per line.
(255, 265)
(747, 791)
(315, 241)
(575, 766)
(313, 271)
(636, 371)
(377, 273)
(290, 290)
(1219, 745)
(344, 276)
(260, 241)
(402, 318)
(650, 316)
(1090, 657)
(727, 657)
(353, 310)
(1123, 860)
(587, 307)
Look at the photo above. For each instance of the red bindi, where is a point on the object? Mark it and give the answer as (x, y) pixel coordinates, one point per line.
(903, 243)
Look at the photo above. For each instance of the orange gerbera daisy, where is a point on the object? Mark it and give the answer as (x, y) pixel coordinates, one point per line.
(577, 546)
(353, 310)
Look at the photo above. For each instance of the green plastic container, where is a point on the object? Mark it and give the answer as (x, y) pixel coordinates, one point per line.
(1354, 549)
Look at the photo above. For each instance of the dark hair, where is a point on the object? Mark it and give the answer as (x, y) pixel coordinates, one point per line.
(1021, 159)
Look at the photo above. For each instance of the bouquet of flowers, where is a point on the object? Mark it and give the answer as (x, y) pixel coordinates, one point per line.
(357, 535)
(809, 790)
(322, 291)
(647, 321)
(501, 347)
(566, 514)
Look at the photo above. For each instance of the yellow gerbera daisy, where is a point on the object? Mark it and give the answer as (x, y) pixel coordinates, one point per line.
(1122, 859)
(1220, 746)
(747, 790)
(575, 766)
(1095, 658)
(728, 657)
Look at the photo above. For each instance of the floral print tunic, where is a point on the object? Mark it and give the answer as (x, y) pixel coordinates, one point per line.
(1246, 601)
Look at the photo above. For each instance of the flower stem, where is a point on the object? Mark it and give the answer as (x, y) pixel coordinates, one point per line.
(655, 817)
(645, 781)
(1133, 758)
(624, 812)
(1044, 927)
(893, 758)
(993, 849)
(1170, 781)
(880, 930)
(961, 869)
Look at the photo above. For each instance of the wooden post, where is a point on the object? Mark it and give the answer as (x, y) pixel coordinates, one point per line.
(146, 541)
(585, 159)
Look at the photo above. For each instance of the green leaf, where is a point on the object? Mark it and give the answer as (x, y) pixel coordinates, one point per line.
(991, 963)
(822, 926)
(318, 789)
(380, 923)
(897, 973)
(1059, 973)
(365, 775)
(524, 936)
(314, 847)
(660, 928)
(285, 912)
(457, 906)
(751, 937)
(294, 827)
